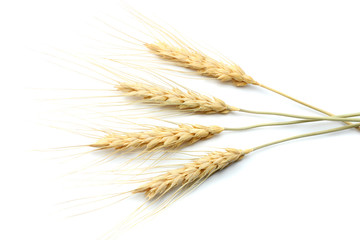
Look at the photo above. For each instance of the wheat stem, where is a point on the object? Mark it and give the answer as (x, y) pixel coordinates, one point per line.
(296, 100)
(280, 123)
(300, 102)
(306, 135)
(334, 118)
(268, 125)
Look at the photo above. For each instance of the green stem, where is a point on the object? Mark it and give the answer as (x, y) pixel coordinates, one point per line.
(300, 102)
(269, 124)
(306, 135)
(296, 100)
(305, 117)
(281, 123)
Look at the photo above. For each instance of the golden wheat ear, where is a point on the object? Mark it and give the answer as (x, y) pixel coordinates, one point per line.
(193, 172)
(201, 63)
(158, 138)
(187, 101)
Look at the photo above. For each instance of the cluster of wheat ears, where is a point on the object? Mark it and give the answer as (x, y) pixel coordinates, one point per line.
(169, 48)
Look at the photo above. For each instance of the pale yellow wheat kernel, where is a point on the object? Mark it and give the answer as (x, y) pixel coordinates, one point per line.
(201, 63)
(198, 170)
(189, 101)
(158, 137)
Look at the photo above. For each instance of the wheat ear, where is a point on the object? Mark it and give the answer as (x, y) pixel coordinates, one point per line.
(201, 63)
(158, 137)
(193, 172)
(189, 101)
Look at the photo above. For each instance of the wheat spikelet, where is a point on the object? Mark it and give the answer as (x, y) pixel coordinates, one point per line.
(202, 63)
(191, 172)
(189, 101)
(158, 137)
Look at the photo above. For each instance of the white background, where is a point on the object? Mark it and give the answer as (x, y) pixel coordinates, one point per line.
(306, 189)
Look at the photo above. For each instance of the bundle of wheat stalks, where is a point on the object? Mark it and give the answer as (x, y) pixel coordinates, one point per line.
(169, 48)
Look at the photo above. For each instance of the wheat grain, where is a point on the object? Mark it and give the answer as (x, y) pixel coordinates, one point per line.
(198, 170)
(189, 101)
(158, 137)
(201, 63)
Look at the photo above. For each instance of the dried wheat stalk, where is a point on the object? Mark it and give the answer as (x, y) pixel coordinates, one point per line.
(200, 169)
(190, 100)
(158, 137)
(201, 63)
